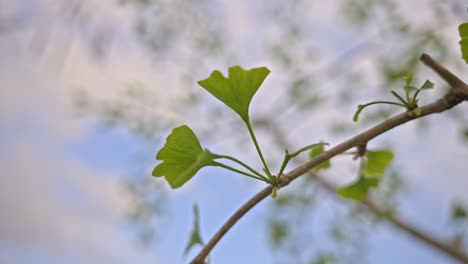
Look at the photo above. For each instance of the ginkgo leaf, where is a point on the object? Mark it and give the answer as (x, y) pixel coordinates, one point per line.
(459, 211)
(408, 78)
(427, 85)
(409, 88)
(182, 157)
(195, 237)
(358, 190)
(317, 151)
(238, 89)
(377, 163)
(463, 30)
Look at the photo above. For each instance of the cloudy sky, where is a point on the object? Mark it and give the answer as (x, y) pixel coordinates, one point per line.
(61, 197)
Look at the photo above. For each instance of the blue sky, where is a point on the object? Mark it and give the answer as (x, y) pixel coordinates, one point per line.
(61, 196)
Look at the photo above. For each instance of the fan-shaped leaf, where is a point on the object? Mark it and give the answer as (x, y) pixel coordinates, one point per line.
(359, 189)
(317, 151)
(238, 89)
(377, 163)
(408, 78)
(427, 85)
(182, 157)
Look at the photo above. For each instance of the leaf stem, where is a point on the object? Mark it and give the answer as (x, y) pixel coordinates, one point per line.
(288, 156)
(285, 163)
(361, 107)
(252, 135)
(219, 164)
(240, 163)
(399, 98)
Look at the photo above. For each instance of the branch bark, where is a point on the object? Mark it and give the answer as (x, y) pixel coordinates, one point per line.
(456, 95)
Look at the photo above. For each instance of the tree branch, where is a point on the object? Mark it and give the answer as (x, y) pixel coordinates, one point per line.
(456, 95)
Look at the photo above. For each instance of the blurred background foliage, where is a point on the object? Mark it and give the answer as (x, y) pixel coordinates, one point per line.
(325, 59)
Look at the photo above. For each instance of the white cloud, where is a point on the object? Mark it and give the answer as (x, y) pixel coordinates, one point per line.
(53, 203)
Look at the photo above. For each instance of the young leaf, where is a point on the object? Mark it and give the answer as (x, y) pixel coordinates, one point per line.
(459, 212)
(182, 157)
(195, 237)
(427, 85)
(361, 107)
(377, 163)
(408, 78)
(463, 30)
(317, 151)
(279, 232)
(312, 146)
(358, 190)
(238, 89)
(358, 111)
(409, 88)
(397, 96)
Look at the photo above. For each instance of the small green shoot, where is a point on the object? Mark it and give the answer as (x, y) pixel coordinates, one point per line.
(288, 156)
(463, 31)
(195, 236)
(410, 102)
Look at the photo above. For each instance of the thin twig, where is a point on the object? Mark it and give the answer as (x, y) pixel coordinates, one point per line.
(456, 95)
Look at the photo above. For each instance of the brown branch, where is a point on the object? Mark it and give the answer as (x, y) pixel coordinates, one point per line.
(456, 95)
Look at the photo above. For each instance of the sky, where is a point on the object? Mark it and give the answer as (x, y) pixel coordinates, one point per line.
(61, 193)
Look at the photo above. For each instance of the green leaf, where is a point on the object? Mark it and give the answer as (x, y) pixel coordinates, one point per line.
(459, 212)
(358, 190)
(427, 85)
(408, 78)
(325, 258)
(463, 30)
(279, 232)
(377, 163)
(195, 237)
(238, 89)
(465, 133)
(182, 157)
(317, 151)
(358, 111)
(409, 88)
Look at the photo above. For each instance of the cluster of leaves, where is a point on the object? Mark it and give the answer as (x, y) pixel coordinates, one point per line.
(373, 166)
(183, 156)
(410, 102)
